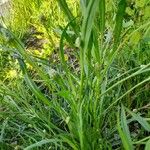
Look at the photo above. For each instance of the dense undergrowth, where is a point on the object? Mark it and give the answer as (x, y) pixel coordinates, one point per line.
(75, 75)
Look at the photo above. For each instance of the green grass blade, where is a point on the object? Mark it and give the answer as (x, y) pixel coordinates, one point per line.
(31, 84)
(64, 6)
(119, 21)
(122, 134)
(96, 46)
(42, 142)
(147, 147)
(102, 16)
(80, 126)
(61, 50)
(137, 85)
(125, 128)
(140, 120)
(138, 72)
(83, 5)
(88, 22)
(142, 140)
(70, 142)
(87, 27)
(4, 125)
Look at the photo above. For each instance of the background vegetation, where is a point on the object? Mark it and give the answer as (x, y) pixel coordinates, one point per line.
(75, 75)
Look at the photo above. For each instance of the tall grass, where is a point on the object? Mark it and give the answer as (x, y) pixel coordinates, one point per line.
(69, 110)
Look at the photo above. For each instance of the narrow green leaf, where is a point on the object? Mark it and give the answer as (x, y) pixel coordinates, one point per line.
(4, 125)
(64, 6)
(88, 21)
(137, 85)
(122, 134)
(138, 72)
(61, 50)
(96, 45)
(31, 84)
(87, 27)
(119, 21)
(140, 119)
(142, 140)
(125, 128)
(147, 147)
(65, 9)
(80, 126)
(42, 142)
(102, 16)
(70, 141)
(83, 5)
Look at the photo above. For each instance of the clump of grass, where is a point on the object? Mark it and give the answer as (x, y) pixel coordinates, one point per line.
(63, 109)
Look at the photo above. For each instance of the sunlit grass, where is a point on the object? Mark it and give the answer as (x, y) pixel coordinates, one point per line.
(56, 107)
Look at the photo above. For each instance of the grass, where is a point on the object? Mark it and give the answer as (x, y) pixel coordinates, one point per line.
(105, 105)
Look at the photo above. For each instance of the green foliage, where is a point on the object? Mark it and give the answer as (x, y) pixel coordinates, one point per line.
(51, 105)
(124, 132)
(147, 145)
